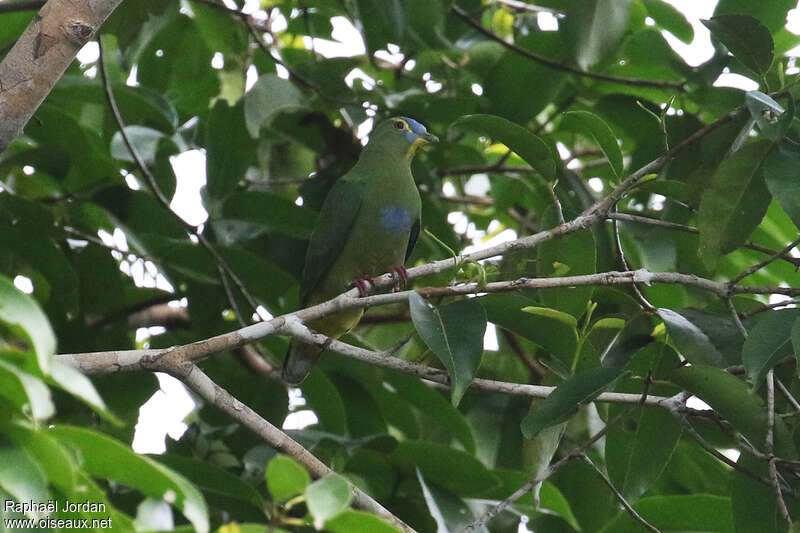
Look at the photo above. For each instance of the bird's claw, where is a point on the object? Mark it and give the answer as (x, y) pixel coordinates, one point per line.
(363, 285)
(401, 277)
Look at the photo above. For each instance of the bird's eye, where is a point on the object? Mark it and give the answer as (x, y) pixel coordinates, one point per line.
(398, 125)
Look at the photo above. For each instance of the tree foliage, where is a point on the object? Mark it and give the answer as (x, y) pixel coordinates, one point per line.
(571, 125)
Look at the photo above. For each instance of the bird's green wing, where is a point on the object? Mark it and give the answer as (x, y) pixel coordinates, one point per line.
(335, 222)
(412, 238)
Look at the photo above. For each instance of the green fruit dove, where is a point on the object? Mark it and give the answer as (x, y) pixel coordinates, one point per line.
(367, 226)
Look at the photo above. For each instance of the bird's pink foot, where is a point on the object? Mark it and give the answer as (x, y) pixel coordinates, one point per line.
(363, 285)
(401, 277)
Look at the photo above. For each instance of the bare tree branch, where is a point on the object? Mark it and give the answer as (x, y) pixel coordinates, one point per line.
(41, 55)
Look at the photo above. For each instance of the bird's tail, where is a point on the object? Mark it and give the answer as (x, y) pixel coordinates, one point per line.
(299, 360)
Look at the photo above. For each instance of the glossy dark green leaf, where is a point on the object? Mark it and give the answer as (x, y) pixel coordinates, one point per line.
(110, 459)
(783, 180)
(747, 39)
(755, 507)
(452, 469)
(563, 402)
(433, 405)
(524, 143)
(326, 402)
(657, 434)
(594, 127)
(382, 22)
(268, 97)
(454, 332)
(450, 512)
(327, 497)
(26, 392)
(769, 342)
(690, 340)
(275, 213)
(229, 150)
(20, 475)
(733, 400)
(684, 512)
(734, 204)
(594, 29)
(352, 521)
(77, 384)
(670, 19)
(21, 313)
(770, 14)
(286, 478)
(555, 336)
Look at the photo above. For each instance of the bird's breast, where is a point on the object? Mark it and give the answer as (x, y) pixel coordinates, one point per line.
(395, 219)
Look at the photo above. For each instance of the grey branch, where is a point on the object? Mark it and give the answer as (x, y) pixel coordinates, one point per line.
(41, 55)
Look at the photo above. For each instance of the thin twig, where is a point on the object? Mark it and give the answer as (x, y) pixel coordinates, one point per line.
(555, 65)
(156, 190)
(735, 316)
(768, 445)
(524, 6)
(758, 266)
(631, 511)
(549, 471)
(787, 394)
(622, 259)
(628, 217)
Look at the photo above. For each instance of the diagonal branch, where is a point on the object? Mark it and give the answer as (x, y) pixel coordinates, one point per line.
(202, 385)
(555, 65)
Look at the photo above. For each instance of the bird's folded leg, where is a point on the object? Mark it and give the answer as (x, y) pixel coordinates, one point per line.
(400, 276)
(363, 284)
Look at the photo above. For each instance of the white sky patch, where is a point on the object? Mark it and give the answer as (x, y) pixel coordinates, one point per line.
(737, 81)
(700, 49)
(696, 403)
(162, 415)
(89, 53)
(546, 21)
(24, 284)
(596, 184)
(490, 338)
(190, 173)
(347, 42)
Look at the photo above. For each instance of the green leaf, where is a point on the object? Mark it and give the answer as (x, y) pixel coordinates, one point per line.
(555, 336)
(783, 180)
(229, 150)
(351, 521)
(454, 332)
(590, 125)
(327, 497)
(755, 507)
(20, 474)
(733, 400)
(286, 478)
(274, 213)
(771, 14)
(326, 402)
(382, 22)
(28, 393)
(449, 511)
(733, 206)
(269, 96)
(690, 340)
(77, 384)
(747, 39)
(554, 314)
(670, 19)
(433, 406)
(657, 434)
(563, 402)
(449, 468)
(521, 141)
(22, 315)
(796, 337)
(594, 29)
(769, 342)
(693, 512)
(105, 457)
